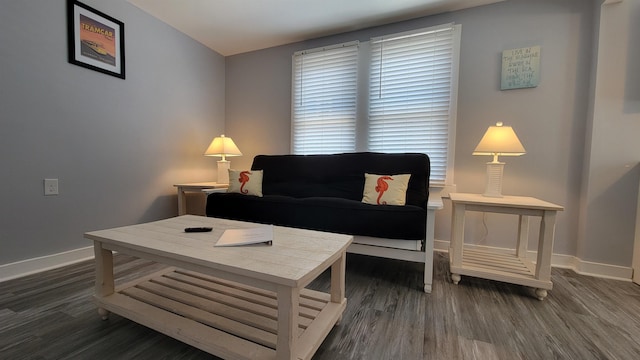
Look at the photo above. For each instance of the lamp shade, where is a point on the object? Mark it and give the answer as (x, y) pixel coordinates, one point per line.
(500, 140)
(222, 146)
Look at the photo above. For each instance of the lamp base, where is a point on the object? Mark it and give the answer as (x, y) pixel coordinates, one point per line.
(223, 171)
(494, 179)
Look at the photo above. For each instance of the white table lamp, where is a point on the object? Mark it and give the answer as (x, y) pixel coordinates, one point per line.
(223, 146)
(498, 140)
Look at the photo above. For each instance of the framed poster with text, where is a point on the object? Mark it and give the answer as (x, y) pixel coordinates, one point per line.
(96, 40)
(520, 68)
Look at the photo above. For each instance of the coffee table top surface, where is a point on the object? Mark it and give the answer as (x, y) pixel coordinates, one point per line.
(295, 258)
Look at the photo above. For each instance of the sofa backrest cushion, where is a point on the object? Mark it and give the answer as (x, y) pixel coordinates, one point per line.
(341, 175)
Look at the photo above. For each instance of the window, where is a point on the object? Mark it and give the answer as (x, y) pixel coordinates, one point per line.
(408, 105)
(324, 100)
(410, 94)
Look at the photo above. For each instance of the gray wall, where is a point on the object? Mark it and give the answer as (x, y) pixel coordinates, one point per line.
(116, 146)
(550, 119)
(611, 173)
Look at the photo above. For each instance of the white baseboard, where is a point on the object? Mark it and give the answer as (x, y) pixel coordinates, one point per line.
(43, 263)
(562, 261)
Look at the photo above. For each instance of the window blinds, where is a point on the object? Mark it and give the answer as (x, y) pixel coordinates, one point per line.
(410, 93)
(324, 99)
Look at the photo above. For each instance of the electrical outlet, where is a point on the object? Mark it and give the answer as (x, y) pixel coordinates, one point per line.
(50, 187)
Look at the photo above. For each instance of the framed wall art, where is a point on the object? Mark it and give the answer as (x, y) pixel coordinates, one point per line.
(520, 68)
(96, 40)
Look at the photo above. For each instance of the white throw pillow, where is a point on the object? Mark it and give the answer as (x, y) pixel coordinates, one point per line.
(385, 189)
(247, 182)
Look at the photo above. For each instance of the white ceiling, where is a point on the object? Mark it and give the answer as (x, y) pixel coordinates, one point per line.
(235, 26)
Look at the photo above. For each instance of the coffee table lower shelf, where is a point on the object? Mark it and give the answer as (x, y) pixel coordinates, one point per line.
(224, 318)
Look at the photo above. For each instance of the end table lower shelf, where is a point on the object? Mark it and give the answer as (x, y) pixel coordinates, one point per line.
(499, 266)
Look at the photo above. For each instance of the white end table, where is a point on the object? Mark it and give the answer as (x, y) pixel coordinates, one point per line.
(195, 187)
(504, 266)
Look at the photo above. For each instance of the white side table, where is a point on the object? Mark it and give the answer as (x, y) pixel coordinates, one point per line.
(504, 266)
(195, 187)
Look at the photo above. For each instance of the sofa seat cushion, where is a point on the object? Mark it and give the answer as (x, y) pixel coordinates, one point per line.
(322, 213)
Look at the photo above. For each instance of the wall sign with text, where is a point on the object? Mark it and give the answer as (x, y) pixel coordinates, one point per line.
(520, 68)
(96, 40)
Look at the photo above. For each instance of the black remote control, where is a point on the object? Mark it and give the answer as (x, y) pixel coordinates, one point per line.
(197, 229)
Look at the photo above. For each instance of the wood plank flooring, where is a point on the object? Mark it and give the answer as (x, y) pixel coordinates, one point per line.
(51, 316)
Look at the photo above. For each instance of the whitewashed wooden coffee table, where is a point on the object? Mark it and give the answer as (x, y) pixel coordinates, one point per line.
(245, 302)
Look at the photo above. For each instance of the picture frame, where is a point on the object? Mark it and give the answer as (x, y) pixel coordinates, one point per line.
(520, 68)
(95, 40)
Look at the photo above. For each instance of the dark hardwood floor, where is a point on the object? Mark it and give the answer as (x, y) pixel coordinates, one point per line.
(51, 316)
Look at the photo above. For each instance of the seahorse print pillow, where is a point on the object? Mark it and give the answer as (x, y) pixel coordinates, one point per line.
(385, 189)
(247, 182)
